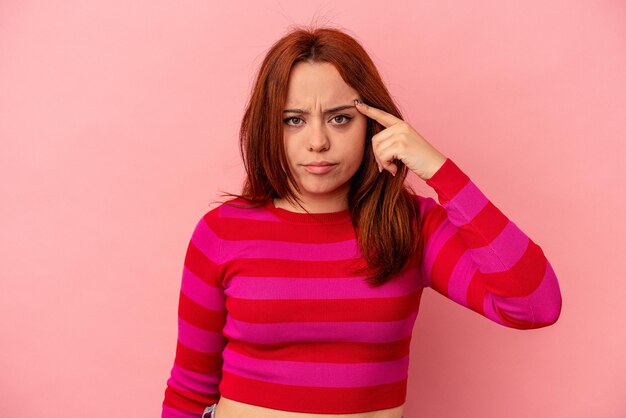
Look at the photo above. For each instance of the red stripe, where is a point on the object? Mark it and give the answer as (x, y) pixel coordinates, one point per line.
(315, 399)
(330, 352)
(522, 278)
(450, 178)
(444, 264)
(271, 267)
(187, 401)
(193, 360)
(476, 292)
(484, 227)
(334, 310)
(200, 316)
(200, 265)
(250, 229)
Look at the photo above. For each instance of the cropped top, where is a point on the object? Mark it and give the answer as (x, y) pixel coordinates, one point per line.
(270, 312)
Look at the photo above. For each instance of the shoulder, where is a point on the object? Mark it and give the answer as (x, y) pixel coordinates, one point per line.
(232, 210)
(220, 207)
(430, 214)
(208, 226)
(422, 203)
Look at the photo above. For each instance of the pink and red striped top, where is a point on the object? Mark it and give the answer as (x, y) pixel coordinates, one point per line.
(271, 314)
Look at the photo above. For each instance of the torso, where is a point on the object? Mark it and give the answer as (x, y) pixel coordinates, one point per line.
(229, 408)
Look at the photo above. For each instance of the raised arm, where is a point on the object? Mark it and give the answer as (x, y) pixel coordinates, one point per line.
(476, 256)
(197, 372)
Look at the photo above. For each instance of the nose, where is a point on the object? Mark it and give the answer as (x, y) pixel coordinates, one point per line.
(318, 139)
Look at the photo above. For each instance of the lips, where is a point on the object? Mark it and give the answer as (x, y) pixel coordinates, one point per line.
(319, 164)
(319, 167)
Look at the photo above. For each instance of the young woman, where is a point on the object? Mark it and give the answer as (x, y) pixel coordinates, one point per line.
(299, 295)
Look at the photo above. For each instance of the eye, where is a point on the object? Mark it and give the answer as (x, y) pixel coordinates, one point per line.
(343, 120)
(346, 117)
(286, 120)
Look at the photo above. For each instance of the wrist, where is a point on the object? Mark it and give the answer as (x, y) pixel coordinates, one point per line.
(435, 167)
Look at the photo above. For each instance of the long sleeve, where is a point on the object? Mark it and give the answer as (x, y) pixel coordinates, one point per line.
(197, 371)
(477, 257)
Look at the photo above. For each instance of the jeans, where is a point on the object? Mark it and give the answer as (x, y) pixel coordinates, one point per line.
(211, 411)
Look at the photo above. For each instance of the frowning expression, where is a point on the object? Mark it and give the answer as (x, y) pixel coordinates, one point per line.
(324, 135)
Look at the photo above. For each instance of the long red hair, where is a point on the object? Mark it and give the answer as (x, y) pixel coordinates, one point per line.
(383, 209)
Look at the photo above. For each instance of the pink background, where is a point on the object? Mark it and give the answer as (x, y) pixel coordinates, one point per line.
(118, 127)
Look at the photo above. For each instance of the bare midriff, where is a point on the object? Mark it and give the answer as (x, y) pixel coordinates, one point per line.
(229, 408)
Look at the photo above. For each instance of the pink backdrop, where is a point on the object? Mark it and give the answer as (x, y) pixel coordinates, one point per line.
(119, 124)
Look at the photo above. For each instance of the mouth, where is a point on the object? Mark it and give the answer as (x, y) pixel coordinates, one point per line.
(320, 163)
(319, 167)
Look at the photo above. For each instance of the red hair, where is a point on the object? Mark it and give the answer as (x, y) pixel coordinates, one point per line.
(383, 210)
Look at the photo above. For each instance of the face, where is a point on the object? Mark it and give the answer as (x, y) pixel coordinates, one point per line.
(323, 150)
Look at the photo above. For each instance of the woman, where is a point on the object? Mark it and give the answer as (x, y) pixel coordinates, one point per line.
(299, 296)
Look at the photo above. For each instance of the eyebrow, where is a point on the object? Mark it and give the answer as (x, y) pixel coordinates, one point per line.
(334, 109)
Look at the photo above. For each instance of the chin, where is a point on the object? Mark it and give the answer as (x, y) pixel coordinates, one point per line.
(320, 192)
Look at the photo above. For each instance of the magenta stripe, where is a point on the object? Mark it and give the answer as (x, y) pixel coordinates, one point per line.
(197, 338)
(466, 204)
(503, 252)
(202, 293)
(460, 279)
(343, 250)
(489, 308)
(539, 306)
(251, 214)
(517, 308)
(349, 331)
(433, 247)
(425, 205)
(193, 381)
(299, 373)
(169, 412)
(545, 308)
(320, 288)
(206, 241)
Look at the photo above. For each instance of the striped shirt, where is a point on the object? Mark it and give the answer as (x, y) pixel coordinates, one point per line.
(271, 313)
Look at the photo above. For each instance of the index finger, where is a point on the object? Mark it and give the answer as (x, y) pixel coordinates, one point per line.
(379, 115)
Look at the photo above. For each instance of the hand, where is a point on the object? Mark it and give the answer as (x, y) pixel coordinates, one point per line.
(401, 142)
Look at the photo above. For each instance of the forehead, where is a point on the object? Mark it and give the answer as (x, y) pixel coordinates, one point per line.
(317, 85)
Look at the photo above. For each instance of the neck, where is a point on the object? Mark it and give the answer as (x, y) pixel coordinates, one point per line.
(331, 204)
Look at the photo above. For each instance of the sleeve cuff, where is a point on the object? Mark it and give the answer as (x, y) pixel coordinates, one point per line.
(448, 181)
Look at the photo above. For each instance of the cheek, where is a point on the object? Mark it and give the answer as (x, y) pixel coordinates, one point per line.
(290, 151)
(359, 141)
(358, 157)
(359, 144)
